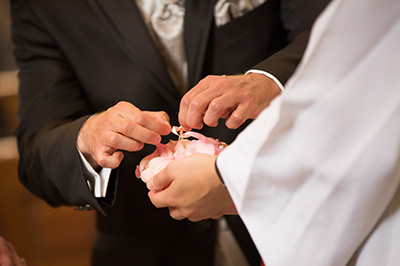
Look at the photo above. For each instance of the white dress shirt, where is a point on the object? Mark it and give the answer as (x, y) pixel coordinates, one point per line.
(316, 176)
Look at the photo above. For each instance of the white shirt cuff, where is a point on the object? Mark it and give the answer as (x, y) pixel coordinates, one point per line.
(100, 179)
(268, 75)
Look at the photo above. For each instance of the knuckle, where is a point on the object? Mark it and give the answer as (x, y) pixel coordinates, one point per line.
(171, 201)
(216, 217)
(195, 104)
(155, 181)
(126, 127)
(103, 123)
(116, 108)
(154, 200)
(211, 122)
(102, 161)
(223, 82)
(169, 169)
(208, 78)
(175, 215)
(140, 119)
(215, 107)
(113, 140)
(234, 121)
(185, 101)
(121, 104)
(163, 115)
(136, 146)
(107, 119)
(187, 213)
(112, 108)
(236, 118)
(151, 137)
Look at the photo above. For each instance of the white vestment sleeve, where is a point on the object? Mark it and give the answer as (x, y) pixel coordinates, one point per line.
(315, 176)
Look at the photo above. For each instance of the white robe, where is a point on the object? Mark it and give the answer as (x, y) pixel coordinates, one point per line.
(316, 176)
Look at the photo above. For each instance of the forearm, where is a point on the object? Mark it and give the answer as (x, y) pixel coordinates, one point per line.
(50, 166)
(283, 63)
(52, 109)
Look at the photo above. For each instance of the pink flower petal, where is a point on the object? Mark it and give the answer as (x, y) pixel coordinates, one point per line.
(165, 153)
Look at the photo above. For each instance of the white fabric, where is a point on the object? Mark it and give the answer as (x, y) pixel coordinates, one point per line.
(315, 177)
(97, 182)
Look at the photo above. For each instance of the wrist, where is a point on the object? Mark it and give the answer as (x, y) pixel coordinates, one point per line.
(82, 148)
(268, 75)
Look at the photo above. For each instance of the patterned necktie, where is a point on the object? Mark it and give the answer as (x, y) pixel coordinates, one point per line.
(167, 26)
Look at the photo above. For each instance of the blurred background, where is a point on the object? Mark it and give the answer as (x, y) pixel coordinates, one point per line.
(41, 234)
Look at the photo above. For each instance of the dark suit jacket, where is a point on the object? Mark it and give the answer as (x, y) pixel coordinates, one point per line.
(81, 57)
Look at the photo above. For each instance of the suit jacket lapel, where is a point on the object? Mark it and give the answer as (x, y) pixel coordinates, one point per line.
(125, 17)
(198, 22)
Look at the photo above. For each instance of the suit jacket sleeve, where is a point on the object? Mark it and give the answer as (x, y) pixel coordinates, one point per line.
(52, 110)
(297, 17)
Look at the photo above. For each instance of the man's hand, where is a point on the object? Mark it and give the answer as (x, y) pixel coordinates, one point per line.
(8, 255)
(191, 189)
(236, 98)
(122, 127)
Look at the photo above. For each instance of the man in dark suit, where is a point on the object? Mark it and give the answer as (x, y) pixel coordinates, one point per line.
(89, 69)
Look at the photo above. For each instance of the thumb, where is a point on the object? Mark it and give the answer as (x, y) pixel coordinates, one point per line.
(158, 187)
(159, 181)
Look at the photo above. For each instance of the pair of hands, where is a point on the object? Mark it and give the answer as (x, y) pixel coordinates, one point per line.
(8, 255)
(124, 127)
(191, 189)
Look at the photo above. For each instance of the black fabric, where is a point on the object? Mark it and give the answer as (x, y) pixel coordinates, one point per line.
(244, 240)
(112, 249)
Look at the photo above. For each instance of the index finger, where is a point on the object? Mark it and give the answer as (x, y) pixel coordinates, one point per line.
(145, 127)
(157, 122)
(186, 101)
(158, 198)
